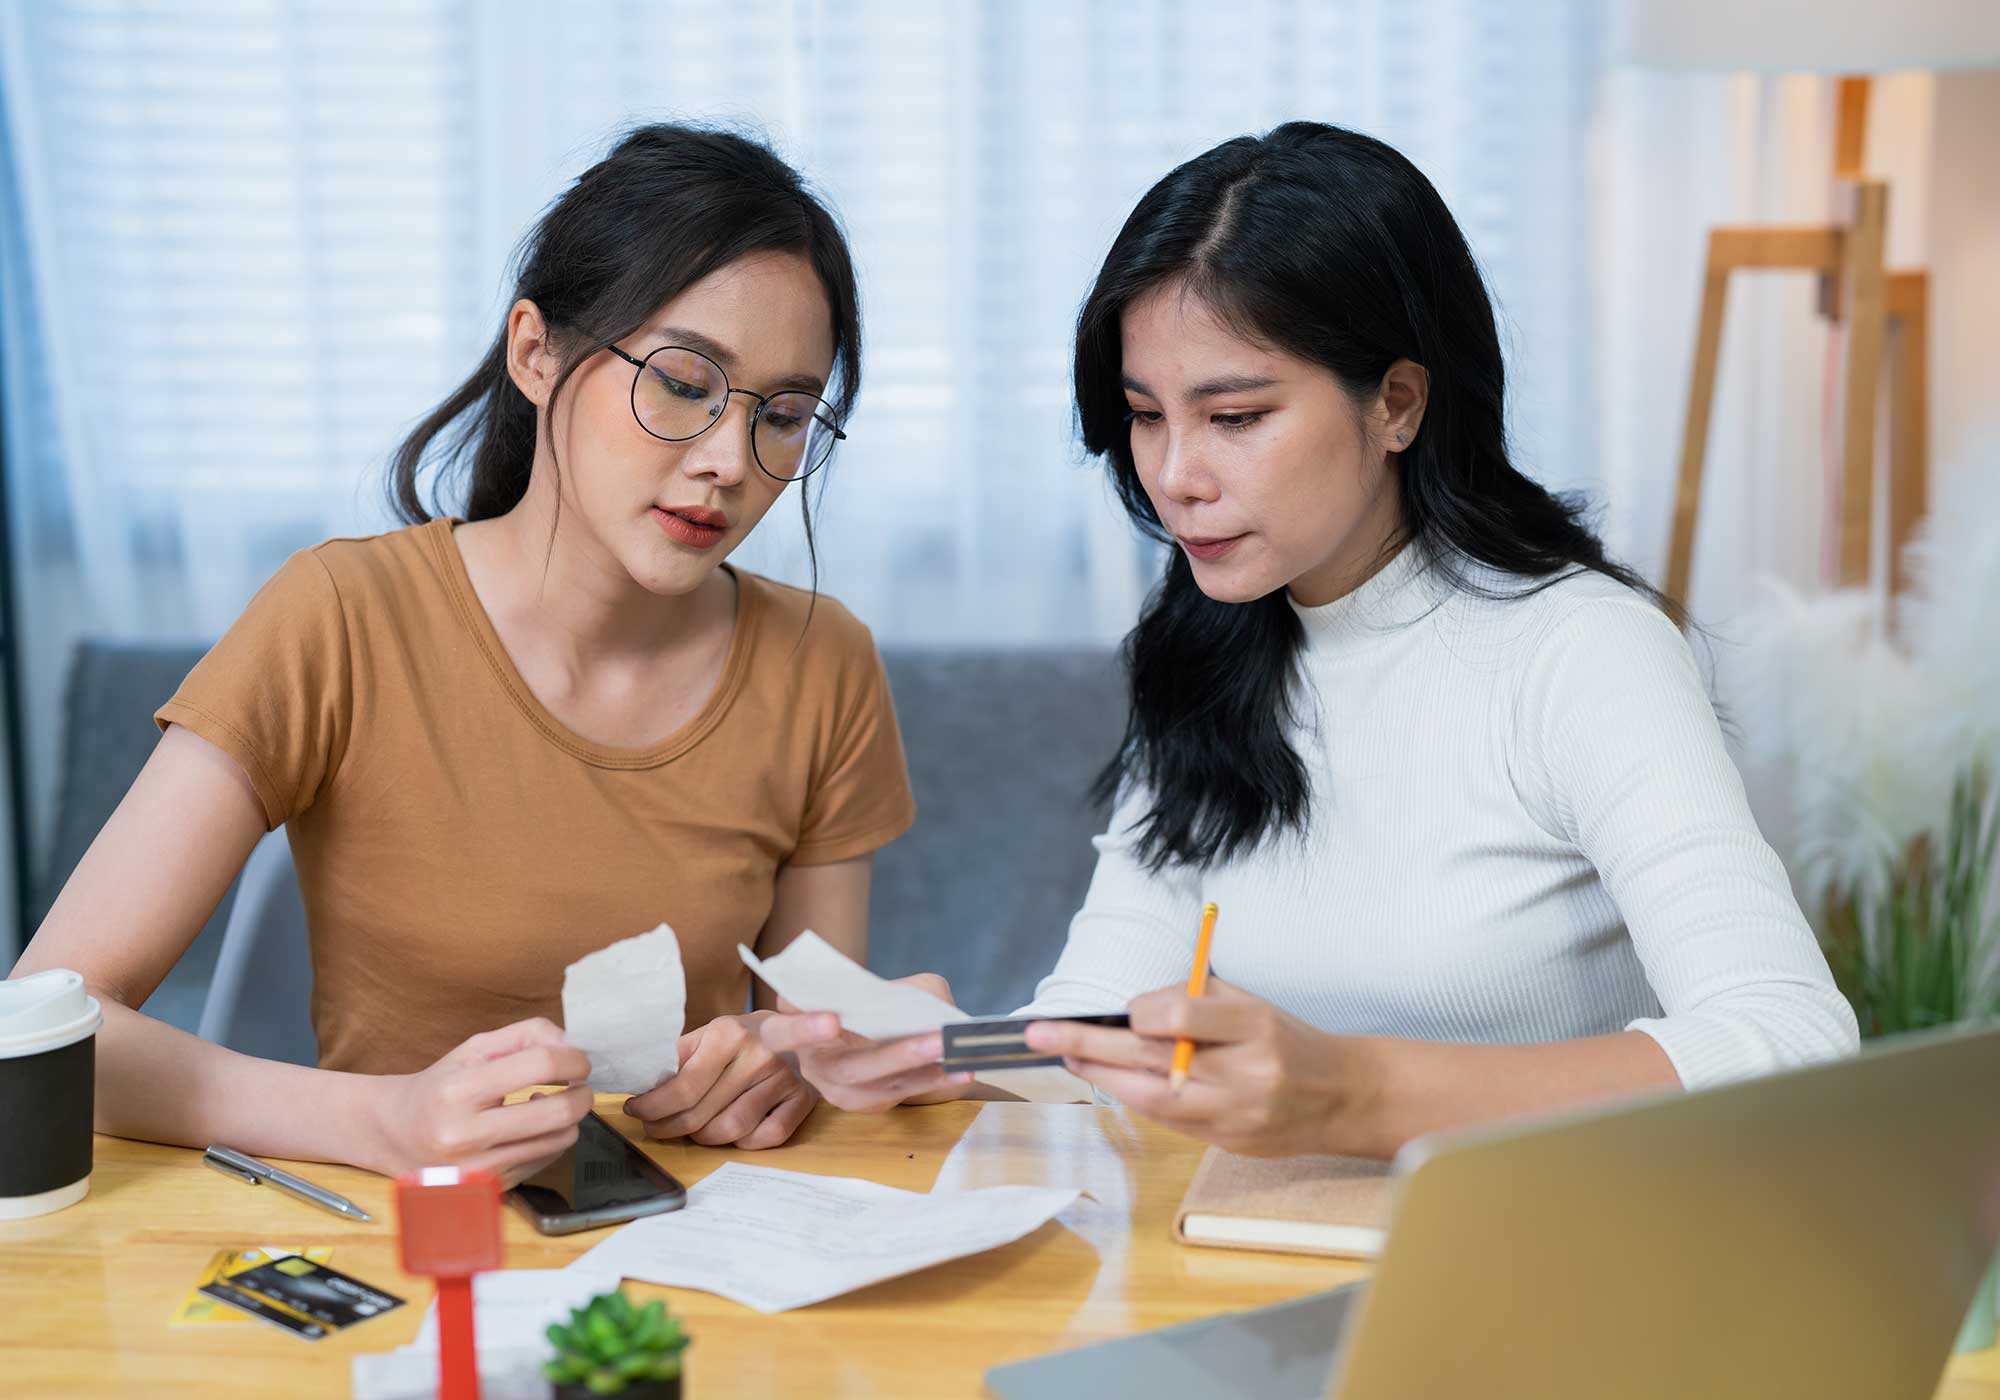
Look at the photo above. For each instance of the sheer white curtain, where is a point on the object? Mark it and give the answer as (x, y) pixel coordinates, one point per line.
(259, 238)
(242, 260)
(983, 157)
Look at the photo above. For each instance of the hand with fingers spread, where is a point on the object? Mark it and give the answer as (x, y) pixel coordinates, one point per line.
(731, 1090)
(455, 1113)
(862, 1075)
(1262, 1083)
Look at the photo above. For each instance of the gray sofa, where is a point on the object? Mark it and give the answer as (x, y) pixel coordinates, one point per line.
(1002, 746)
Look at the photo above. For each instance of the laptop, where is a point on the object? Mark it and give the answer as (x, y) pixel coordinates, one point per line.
(1819, 1232)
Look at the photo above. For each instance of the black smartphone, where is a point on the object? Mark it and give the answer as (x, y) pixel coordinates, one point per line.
(602, 1180)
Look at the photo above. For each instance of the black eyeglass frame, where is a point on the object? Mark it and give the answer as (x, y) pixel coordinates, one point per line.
(756, 414)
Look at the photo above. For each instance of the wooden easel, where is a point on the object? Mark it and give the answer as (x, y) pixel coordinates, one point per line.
(1886, 312)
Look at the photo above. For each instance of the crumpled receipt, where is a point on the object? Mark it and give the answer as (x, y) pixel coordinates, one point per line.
(624, 1007)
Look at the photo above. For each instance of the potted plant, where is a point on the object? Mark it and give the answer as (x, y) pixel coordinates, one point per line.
(1915, 948)
(609, 1347)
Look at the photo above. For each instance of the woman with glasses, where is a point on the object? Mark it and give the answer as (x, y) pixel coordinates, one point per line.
(1449, 773)
(503, 740)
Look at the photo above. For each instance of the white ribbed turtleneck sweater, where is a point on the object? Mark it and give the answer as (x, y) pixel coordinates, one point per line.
(1524, 828)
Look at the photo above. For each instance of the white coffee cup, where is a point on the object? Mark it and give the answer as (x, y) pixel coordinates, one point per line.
(48, 1079)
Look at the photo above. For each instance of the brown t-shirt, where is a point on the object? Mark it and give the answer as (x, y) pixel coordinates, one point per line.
(457, 847)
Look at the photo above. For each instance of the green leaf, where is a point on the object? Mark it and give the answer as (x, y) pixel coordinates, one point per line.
(606, 1341)
(668, 1368)
(647, 1334)
(633, 1365)
(568, 1368)
(603, 1382)
(1919, 952)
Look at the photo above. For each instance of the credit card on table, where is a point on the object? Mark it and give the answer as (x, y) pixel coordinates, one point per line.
(327, 1296)
(201, 1309)
(1001, 1042)
(264, 1310)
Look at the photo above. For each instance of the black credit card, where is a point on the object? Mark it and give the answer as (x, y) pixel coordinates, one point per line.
(326, 1295)
(264, 1310)
(1001, 1042)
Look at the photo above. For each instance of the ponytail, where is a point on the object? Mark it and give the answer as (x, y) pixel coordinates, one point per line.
(488, 416)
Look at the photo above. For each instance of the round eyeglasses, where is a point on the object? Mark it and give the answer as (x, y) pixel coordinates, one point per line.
(678, 394)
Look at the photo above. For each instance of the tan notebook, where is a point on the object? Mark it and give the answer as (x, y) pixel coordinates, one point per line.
(1291, 1205)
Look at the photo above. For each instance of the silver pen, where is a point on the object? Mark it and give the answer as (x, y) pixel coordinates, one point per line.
(230, 1162)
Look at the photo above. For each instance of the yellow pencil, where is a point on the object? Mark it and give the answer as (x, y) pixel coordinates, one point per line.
(1197, 983)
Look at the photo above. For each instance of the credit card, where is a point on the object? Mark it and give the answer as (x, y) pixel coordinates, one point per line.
(264, 1310)
(327, 1296)
(199, 1309)
(1001, 1042)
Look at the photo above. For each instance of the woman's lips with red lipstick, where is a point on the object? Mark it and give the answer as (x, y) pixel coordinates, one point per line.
(695, 526)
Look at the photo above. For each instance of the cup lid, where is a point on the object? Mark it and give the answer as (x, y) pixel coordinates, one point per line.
(45, 1012)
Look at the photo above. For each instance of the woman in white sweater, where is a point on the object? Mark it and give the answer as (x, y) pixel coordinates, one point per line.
(1450, 774)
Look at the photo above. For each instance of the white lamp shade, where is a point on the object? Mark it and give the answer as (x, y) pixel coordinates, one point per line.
(1810, 36)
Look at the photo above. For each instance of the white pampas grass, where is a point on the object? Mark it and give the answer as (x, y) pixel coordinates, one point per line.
(1851, 731)
(1952, 618)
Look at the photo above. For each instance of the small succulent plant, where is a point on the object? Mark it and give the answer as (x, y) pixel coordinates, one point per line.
(609, 1347)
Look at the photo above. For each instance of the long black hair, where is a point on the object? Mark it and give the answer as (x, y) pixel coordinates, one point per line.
(669, 205)
(1332, 247)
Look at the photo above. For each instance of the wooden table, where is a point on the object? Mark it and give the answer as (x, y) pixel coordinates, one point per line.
(86, 1294)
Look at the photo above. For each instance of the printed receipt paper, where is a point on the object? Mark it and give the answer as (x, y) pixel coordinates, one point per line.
(774, 1240)
(813, 975)
(623, 1006)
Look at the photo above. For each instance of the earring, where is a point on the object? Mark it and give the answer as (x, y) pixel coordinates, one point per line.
(1402, 439)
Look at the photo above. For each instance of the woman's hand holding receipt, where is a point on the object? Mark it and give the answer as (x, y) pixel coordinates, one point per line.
(455, 1112)
(862, 1075)
(731, 1089)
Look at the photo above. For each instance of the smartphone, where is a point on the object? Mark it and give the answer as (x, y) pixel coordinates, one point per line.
(601, 1180)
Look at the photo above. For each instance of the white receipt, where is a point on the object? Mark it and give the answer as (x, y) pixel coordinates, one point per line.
(623, 1006)
(774, 1240)
(512, 1308)
(505, 1373)
(511, 1304)
(813, 975)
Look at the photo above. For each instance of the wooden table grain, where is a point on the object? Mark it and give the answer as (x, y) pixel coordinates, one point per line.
(87, 1294)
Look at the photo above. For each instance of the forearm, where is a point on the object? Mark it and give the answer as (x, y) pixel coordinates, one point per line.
(1406, 1088)
(160, 1084)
